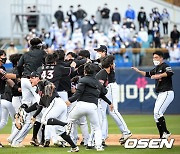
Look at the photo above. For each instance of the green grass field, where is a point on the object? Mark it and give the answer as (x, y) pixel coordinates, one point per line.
(108, 150)
(138, 124)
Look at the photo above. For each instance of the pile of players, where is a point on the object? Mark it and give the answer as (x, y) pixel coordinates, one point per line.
(54, 92)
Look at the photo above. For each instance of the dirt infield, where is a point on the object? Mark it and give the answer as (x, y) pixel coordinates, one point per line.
(112, 140)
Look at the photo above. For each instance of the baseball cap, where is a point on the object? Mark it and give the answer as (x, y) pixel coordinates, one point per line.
(35, 41)
(102, 48)
(35, 74)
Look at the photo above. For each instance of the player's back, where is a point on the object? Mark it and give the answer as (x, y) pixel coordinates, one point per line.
(30, 61)
(54, 73)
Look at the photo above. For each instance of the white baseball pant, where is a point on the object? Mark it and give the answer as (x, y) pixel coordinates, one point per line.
(29, 97)
(112, 96)
(6, 109)
(58, 110)
(16, 102)
(90, 110)
(82, 122)
(162, 102)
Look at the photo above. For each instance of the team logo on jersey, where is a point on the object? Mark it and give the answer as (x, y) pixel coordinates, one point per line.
(168, 69)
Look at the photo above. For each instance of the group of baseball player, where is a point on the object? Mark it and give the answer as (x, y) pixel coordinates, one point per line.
(55, 92)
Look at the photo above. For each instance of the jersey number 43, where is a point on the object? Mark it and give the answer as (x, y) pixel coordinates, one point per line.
(48, 74)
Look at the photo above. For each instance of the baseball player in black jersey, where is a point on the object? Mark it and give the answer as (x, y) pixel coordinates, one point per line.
(88, 91)
(16, 95)
(7, 108)
(3, 73)
(55, 107)
(64, 87)
(53, 72)
(81, 60)
(110, 83)
(162, 74)
(107, 77)
(28, 63)
(3, 78)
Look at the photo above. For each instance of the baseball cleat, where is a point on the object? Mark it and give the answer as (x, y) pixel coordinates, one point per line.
(34, 142)
(1, 146)
(90, 147)
(104, 144)
(47, 143)
(99, 148)
(166, 135)
(41, 144)
(76, 149)
(9, 141)
(82, 143)
(17, 145)
(124, 137)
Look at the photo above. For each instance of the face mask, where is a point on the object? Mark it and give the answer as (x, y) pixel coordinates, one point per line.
(3, 60)
(156, 62)
(134, 39)
(175, 46)
(98, 55)
(47, 35)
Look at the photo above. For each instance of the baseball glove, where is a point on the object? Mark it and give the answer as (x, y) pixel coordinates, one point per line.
(48, 90)
(20, 118)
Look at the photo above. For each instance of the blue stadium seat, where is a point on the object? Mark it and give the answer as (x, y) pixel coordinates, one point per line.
(174, 64)
(123, 64)
(8, 66)
(150, 38)
(145, 44)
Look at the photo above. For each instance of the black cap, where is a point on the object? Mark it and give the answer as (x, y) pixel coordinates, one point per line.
(35, 41)
(159, 53)
(35, 74)
(102, 48)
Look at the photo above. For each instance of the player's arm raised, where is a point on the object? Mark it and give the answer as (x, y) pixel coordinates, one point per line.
(8, 75)
(143, 73)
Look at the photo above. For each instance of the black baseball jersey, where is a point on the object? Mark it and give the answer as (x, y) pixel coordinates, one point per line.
(2, 81)
(54, 73)
(89, 89)
(30, 61)
(47, 93)
(163, 84)
(7, 95)
(17, 85)
(102, 76)
(111, 76)
(65, 82)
